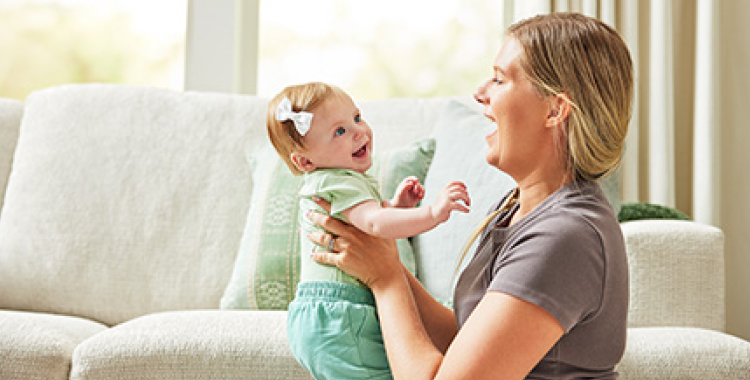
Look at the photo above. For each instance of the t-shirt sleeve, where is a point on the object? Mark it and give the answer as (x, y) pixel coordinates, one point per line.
(344, 192)
(558, 266)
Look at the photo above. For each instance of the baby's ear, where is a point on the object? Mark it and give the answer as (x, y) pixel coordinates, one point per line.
(302, 163)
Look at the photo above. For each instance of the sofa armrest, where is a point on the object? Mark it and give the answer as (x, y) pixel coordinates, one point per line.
(676, 274)
(677, 353)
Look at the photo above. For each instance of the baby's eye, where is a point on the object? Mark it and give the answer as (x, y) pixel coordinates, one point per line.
(358, 118)
(339, 131)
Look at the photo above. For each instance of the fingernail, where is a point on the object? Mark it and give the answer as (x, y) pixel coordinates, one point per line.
(316, 198)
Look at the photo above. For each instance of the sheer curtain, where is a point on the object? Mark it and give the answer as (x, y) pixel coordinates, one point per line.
(687, 146)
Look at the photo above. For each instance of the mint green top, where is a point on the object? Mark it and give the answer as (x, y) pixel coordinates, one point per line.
(344, 189)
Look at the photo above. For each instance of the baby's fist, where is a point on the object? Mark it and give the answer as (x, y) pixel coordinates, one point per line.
(454, 197)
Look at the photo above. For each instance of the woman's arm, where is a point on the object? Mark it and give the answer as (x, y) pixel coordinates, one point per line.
(438, 320)
(504, 338)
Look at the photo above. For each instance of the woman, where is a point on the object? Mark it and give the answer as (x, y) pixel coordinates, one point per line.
(546, 294)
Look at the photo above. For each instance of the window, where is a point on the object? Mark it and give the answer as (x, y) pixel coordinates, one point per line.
(53, 42)
(379, 49)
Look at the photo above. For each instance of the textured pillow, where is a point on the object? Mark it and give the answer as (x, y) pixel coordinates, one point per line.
(266, 270)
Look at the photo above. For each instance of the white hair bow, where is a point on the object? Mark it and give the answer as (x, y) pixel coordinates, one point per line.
(302, 120)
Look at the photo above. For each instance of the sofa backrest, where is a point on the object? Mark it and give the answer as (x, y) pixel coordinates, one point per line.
(126, 200)
(10, 121)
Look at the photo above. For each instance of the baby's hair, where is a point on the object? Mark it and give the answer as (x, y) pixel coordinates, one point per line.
(304, 98)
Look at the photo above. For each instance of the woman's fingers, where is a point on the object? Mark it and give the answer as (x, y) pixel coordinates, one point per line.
(322, 203)
(365, 257)
(328, 223)
(327, 258)
(325, 240)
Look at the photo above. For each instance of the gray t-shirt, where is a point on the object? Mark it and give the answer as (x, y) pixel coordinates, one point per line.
(568, 257)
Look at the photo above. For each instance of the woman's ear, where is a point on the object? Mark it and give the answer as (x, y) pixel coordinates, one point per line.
(301, 162)
(560, 108)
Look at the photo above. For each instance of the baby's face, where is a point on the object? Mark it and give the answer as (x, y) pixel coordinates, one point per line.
(338, 137)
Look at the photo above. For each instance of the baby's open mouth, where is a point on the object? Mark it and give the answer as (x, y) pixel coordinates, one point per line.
(362, 152)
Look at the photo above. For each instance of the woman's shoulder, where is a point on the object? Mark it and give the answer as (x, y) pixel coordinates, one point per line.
(582, 201)
(574, 212)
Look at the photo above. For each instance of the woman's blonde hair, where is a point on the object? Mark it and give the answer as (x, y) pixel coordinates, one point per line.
(304, 98)
(585, 59)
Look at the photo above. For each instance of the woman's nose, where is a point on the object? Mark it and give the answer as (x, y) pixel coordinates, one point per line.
(480, 95)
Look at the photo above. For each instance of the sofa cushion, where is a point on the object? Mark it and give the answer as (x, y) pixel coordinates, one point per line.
(125, 200)
(191, 345)
(674, 353)
(40, 346)
(10, 121)
(266, 271)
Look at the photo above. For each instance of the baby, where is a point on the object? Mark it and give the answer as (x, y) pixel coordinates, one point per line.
(318, 131)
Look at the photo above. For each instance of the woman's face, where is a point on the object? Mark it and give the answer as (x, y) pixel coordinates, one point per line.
(518, 110)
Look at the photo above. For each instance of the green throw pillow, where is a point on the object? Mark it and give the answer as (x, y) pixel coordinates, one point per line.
(266, 270)
(644, 210)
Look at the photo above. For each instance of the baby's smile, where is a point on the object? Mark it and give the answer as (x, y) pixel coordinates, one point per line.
(361, 152)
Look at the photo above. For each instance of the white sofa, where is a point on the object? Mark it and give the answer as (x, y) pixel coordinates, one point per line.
(127, 215)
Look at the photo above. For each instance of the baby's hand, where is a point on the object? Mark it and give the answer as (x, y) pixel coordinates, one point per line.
(408, 193)
(452, 197)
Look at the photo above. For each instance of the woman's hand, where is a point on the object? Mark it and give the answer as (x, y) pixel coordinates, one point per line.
(365, 257)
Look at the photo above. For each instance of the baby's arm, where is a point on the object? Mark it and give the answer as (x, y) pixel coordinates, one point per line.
(396, 222)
